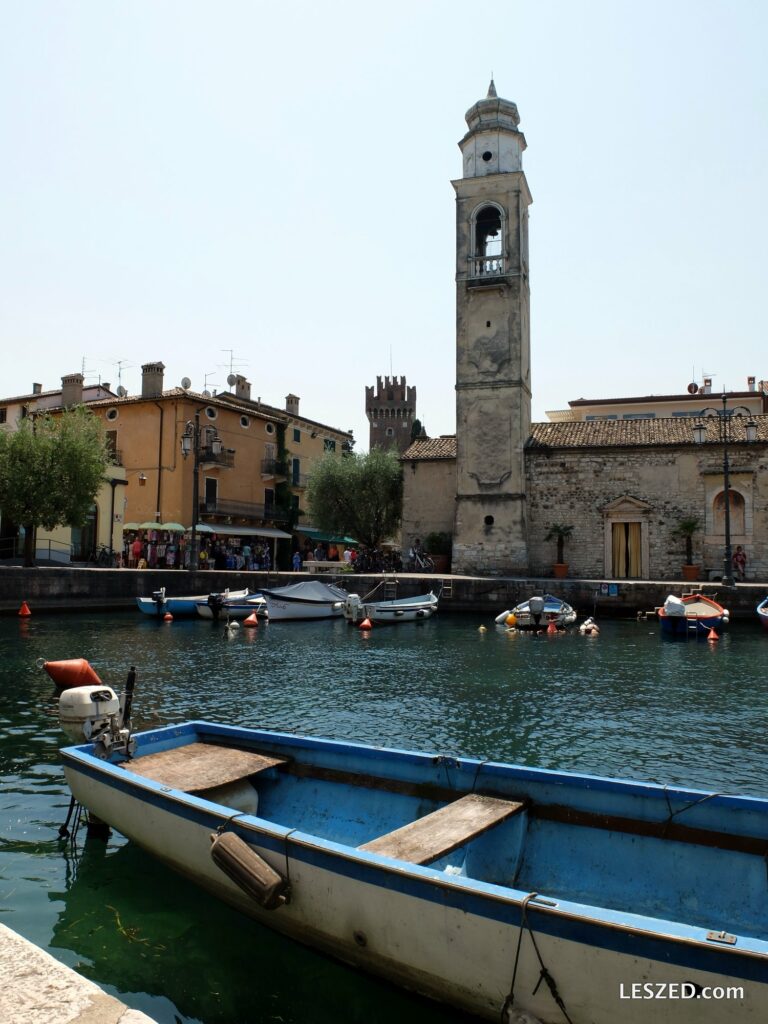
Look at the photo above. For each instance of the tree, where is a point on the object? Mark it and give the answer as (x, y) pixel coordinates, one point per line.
(51, 469)
(686, 529)
(360, 495)
(559, 532)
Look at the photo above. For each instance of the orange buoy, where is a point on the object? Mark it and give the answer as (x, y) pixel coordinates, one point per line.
(712, 636)
(552, 628)
(366, 624)
(24, 610)
(168, 617)
(72, 672)
(252, 620)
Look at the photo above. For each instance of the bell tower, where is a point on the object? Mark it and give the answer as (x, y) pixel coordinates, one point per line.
(493, 386)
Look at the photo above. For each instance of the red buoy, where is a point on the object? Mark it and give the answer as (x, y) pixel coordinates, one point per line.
(72, 672)
(712, 636)
(24, 610)
(552, 628)
(168, 617)
(366, 624)
(252, 620)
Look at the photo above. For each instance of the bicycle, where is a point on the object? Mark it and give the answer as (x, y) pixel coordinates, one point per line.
(420, 562)
(102, 558)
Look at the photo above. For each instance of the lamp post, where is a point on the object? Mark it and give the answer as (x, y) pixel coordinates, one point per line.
(198, 442)
(725, 421)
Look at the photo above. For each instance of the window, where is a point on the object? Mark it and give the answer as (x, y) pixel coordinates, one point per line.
(488, 252)
(3, 415)
(211, 493)
(270, 428)
(295, 472)
(112, 414)
(296, 435)
(735, 509)
(269, 499)
(329, 445)
(245, 422)
(210, 412)
(111, 436)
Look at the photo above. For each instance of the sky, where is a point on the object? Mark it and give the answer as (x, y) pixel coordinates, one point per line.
(265, 189)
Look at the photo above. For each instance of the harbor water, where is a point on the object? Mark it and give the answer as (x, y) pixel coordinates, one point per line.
(625, 704)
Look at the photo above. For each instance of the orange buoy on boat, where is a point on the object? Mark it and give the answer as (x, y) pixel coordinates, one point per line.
(72, 672)
(252, 620)
(366, 624)
(24, 610)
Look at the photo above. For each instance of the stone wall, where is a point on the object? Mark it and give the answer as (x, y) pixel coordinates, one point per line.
(429, 499)
(591, 488)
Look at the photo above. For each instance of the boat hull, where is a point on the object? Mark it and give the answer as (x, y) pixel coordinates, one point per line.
(694, 615)
(309, 600)
(177, 606)
(233, 608)
(432, 930)
(552, 610)
(407, 609)
(762, 612)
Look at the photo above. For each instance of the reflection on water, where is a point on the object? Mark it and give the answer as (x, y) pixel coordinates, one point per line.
(623, 704)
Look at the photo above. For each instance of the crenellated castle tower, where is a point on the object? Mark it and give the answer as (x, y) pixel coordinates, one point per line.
(391, 411)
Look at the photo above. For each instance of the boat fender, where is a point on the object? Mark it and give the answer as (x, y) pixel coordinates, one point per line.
(69, 673)
(248, 870)
(502, 617)
(726, 616)
(511, 619)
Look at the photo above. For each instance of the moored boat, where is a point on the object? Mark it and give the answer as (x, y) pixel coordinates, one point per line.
(537, 613)
(310, 599)
(762, 612)
(404, 609)
(159, 603)
(692, 615)
(231, 606)
(469, 881)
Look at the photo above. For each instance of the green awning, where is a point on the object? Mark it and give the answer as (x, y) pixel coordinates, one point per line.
(330, 538)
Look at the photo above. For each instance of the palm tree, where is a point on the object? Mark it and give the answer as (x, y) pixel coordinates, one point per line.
(686, 528)
(559, 532)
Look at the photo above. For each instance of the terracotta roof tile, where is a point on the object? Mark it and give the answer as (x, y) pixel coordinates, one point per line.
(431, 448)
(674, 432)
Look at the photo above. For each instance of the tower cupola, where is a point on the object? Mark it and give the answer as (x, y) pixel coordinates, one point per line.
(493, 144)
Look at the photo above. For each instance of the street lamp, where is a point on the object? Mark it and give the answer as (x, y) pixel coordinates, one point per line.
(725, 422)
(198, 442)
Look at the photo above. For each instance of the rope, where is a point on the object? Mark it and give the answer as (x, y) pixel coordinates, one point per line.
(223, 827)
(544, 974)
(694, 803)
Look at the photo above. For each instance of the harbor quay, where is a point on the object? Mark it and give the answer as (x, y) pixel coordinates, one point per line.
(38, 989)
(53, 589)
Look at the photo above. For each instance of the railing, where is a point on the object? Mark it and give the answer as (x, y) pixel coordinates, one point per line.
(299, 479)
(115, 456)
(226, 458)
(243, 510)
(274, 467)
(486, 266)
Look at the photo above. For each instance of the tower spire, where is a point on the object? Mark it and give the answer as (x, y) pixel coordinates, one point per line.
(492, 88)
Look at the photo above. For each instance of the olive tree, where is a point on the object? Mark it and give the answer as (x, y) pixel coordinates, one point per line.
(360, 495)
(51, 469)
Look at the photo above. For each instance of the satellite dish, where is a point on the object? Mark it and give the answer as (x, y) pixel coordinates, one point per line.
(231, 380)
(693, 388)
(206, 393)
(186, 383)
(122, 392)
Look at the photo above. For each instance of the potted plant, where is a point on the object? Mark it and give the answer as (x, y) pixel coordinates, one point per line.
(439, 547)
(559, 532)
(686, 528)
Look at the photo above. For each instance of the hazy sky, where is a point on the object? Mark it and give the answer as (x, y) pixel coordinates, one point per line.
(266, 186)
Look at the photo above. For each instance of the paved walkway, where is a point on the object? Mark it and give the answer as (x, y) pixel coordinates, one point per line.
(36, 989)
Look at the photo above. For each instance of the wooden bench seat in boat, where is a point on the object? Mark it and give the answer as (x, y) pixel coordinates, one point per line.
(445, 829)
(196, 767)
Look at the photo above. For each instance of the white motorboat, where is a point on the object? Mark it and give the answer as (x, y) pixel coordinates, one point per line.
(538, 612)
(403, 609)
(310, 599)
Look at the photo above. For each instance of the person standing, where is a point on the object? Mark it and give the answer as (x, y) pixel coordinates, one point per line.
(739, 562)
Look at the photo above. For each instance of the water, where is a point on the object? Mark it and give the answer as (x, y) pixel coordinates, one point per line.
(625, 704)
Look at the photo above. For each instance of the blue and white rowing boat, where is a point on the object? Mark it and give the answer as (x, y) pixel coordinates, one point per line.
(401, 609)
(505, 891)
(231, 606)
(158, 604)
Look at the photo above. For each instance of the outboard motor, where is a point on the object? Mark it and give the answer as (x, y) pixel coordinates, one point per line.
(216, 603)
(95, 714)
(536, 607)
(158, 596)
(353, 608)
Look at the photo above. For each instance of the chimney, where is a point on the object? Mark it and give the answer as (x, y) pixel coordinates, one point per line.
(37, 389)
(242, 388)
(72, 390)
(292, 405)
(707, 389)
(750, 383)
(152, 380)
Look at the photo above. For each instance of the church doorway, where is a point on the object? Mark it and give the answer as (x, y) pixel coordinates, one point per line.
(626, 550)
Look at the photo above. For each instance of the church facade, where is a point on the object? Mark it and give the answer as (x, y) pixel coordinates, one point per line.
(623, 485)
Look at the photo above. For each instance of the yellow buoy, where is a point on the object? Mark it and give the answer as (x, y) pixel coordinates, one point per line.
(511, 619)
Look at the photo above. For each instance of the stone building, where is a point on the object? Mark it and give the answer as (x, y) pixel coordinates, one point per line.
(623, 472)
(391, 412)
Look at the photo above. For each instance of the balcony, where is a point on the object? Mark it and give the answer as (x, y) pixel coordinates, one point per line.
(274, 468)
(486, 270)
(225, 459)
(243, 510)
